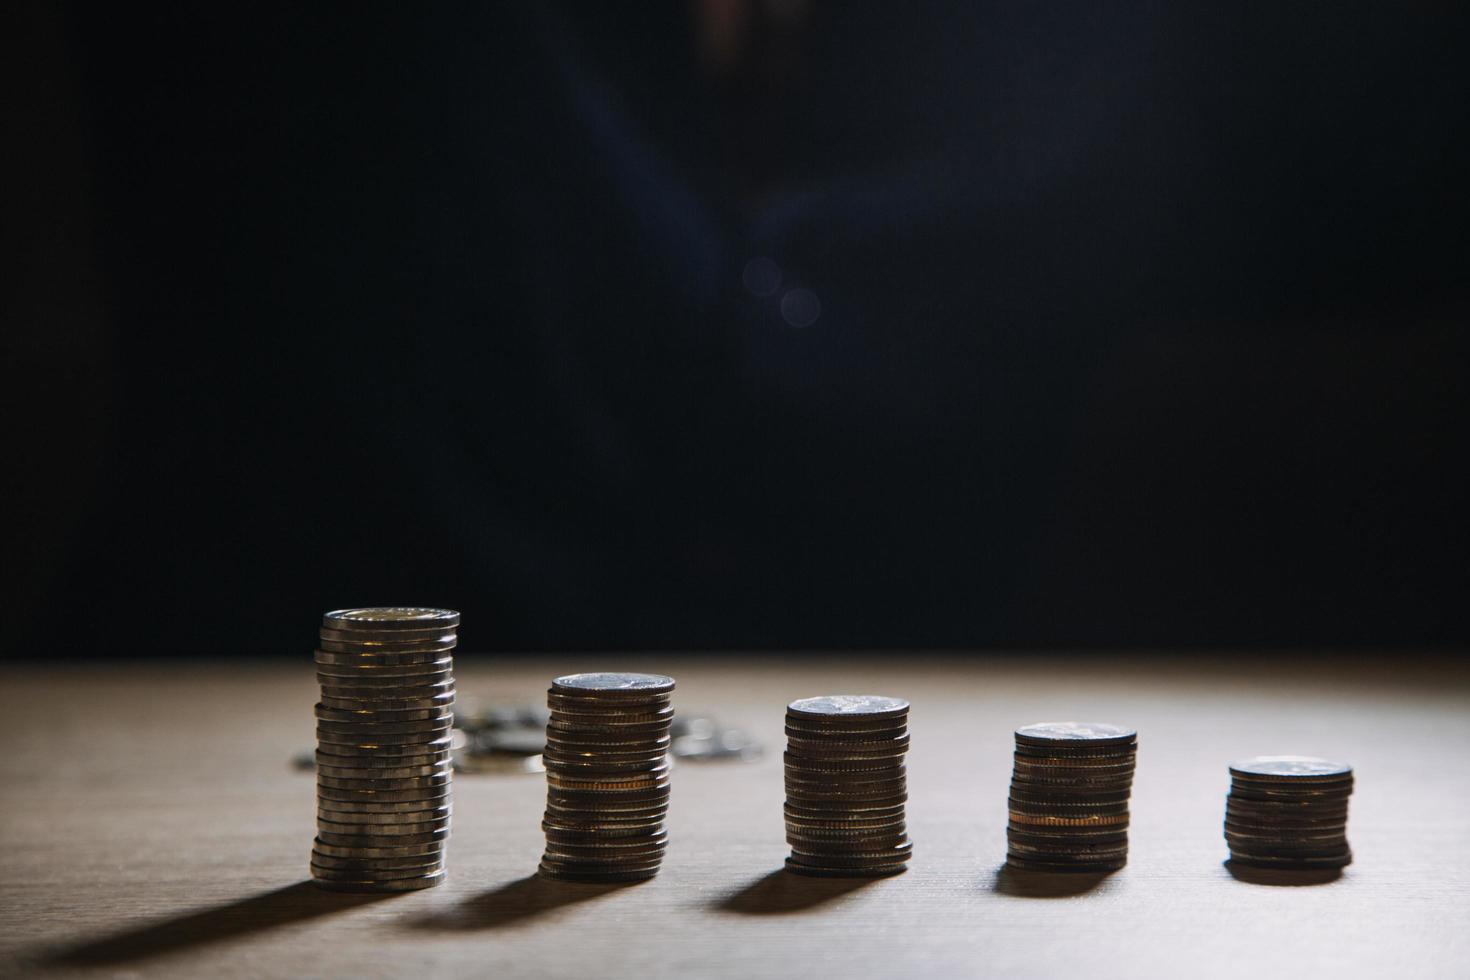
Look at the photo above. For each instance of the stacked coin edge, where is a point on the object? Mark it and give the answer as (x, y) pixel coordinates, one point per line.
(1069, 803)
(607, 777)
(383, 736)
(1288, 813)
(847, 786)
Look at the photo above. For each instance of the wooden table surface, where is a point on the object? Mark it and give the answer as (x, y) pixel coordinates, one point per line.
(152, 826)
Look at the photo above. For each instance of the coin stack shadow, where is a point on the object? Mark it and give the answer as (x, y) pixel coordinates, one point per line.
(1288, 812)
(1069, 797)
(607, 776)
(382, 759)
(846, 786)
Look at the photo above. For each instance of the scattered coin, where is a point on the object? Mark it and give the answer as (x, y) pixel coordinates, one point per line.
(607, 776)
(1069, 797)
(383, 748)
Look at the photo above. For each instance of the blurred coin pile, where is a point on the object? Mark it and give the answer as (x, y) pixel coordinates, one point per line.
(1069, 797)
(846, 785)
(1288, 812)
(607, 776)
(382, 758)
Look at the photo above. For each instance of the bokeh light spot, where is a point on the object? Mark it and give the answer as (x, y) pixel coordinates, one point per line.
(800, 307)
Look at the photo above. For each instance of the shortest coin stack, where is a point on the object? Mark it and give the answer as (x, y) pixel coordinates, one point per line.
(607, 776)
(1069, 797)
(382, 758)
(1288, 812)
(846, 786)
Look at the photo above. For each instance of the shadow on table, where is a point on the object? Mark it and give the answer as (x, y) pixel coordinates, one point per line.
(258, 913)
(1020, 883)
(782, 892)
(514, 902)
(1293, 878)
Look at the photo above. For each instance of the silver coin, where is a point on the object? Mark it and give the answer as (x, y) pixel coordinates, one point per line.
(617, 703)
(848, 705)
(385, 715)
(380, 751)
(427, 729)
(613, 733)
(439, 778)
(384, 833)
(377, 671)
(386, 688)
(396, 885)
(818, 871)
(426, 796)
(412, 816)
(327, 869)
(562, 814)
(842, 816)
(416, 739)
(572, 743)
(641, 717)
(367, 866)
(622, 780)
(585, 870)
(377, 875)
(593, 862)
(443, 768)
(442, 648)
(375, 841)
(386, 636)
(384, 720)
(846, 727)
(580, 765)
(1072, 767)
(389, 617)
(608, 682)
(381, 762)
(846, 809)
(401, 885)
(1092, 733)
(385, 809)
(583, 831)
(1290, 767)
(393, 850)
(820, 748)
(377, 658)
(374, 765)
(404, 829)
(589, 842)
(336, 765)
(440, 701)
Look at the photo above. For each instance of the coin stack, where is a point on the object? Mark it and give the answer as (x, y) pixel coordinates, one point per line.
(1069, 797)
(607, 776)
(1288, 812)
(382, 758)
(846, 786)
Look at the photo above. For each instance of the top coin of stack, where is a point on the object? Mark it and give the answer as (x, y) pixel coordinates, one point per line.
(1288, 812)
(1069, 797)
(383, 733)
(846, 786)
(607, 776)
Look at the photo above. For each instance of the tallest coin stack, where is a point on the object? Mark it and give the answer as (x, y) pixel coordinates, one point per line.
(382, 758)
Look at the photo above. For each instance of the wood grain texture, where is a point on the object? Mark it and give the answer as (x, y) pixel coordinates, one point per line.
(152, 826)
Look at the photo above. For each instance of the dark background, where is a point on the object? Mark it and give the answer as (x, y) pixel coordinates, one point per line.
(1137, 327)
